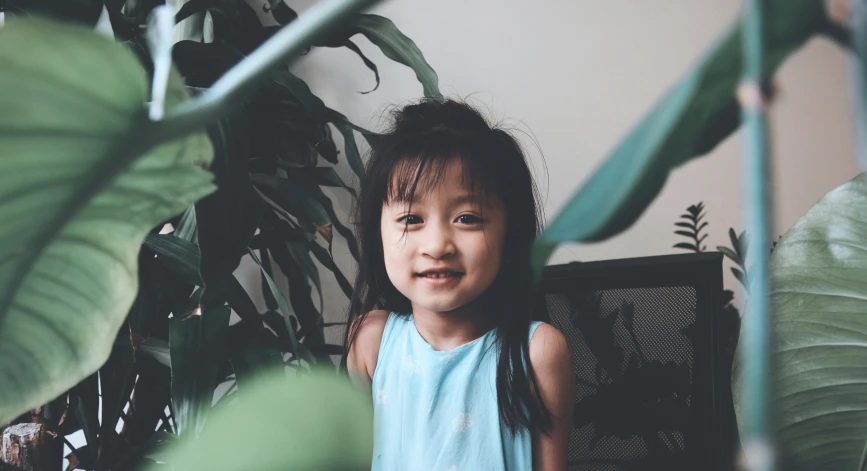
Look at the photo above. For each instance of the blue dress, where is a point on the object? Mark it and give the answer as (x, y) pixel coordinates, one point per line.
(437, 410)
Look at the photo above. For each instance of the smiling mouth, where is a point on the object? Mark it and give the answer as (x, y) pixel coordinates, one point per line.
(439, 275)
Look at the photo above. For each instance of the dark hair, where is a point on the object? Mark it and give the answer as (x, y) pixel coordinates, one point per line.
(410, 157)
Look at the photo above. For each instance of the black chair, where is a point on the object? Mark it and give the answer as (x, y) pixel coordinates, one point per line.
(653, 376)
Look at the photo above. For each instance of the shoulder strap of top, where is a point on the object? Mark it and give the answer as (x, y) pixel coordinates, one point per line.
(533, 326)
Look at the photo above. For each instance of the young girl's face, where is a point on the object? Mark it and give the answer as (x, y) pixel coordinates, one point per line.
(444, 251)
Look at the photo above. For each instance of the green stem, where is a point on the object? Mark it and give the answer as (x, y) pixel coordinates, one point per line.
(755, 398)
(243, 79)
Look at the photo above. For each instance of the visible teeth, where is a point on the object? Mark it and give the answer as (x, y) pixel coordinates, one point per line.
(438, 275)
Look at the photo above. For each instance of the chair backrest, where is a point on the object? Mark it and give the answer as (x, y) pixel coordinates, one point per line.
(653, 385)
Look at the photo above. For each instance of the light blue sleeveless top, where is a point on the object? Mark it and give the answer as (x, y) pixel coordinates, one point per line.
(437, 410)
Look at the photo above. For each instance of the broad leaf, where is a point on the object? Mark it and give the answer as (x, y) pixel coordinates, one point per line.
(279, 426)
(77, 201)
(819, 350)
(689, 121)
(197, 344)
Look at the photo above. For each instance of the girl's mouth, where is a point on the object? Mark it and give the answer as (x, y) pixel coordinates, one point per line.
(439, 278)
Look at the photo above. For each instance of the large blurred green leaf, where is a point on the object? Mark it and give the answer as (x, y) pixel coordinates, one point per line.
(75, 202)
(315, 422)
(691, 119)
(197, 345)
(819, 350)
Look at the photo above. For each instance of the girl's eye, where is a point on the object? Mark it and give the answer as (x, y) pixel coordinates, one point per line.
(409, 219)
(469, 219)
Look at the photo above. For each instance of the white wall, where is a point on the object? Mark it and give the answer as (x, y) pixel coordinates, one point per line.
(578, 74)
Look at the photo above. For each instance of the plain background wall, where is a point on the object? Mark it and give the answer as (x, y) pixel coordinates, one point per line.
(573, 76)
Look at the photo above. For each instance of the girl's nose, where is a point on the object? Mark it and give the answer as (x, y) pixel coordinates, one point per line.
(438, 243)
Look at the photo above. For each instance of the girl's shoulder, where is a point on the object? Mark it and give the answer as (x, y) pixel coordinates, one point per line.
(365, 349)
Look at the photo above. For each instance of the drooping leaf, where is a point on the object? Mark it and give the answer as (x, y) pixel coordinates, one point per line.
(309, 317)
(336, 437)
(70, 257)
(353, 156)
(327, 261)
(819, 345)
(281, 301)
(298, 201)
(241, 303)
(677, 129)
(229, 217)
(348, 44)
(197, 344)
(394, 44)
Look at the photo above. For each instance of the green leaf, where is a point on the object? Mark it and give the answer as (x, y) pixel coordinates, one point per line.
(396, 46)
(72, 238)
(188, 227)
(294, 199)
(276, 422)
(229, 217)
(686, 225)
(197, 344)
(252, 352)
(348, 44)
(685, 233)
(116, 381)
(176, 254)
(686, 246)
(353, 156)
(730, 254)
(85, 12)
(327, 261)
(687, 122)
(151, 396)
(299, 295)
(819, 332)
(281, 301)
(158, 349)
(270, 301)
(741, 277)
(242, 304)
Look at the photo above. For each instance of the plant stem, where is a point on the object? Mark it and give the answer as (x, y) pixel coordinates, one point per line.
(755, 397)
(240, 81)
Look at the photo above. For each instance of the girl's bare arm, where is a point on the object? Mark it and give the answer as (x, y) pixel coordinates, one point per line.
(555, 379)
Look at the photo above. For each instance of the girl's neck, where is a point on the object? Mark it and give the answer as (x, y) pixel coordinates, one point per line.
(448, 330)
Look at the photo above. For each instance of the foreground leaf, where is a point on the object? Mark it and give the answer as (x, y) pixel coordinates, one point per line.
(75, 202)
(690, 120)
(820, 334)
(315, 422)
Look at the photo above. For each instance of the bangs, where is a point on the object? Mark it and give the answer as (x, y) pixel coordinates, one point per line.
(419, 165)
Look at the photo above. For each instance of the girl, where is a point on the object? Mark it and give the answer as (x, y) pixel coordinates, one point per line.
(441, 324)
